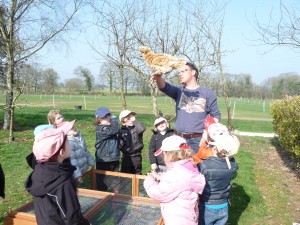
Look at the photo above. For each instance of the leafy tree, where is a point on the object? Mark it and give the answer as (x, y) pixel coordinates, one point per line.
(87, 76)
(74, 84)
(50, 80)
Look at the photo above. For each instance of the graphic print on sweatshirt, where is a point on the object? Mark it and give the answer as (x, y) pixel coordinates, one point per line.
(191, 104)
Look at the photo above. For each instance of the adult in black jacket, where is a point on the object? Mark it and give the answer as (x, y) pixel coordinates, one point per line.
(160, 132)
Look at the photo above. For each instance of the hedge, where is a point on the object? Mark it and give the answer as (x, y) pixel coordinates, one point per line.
(286, 121)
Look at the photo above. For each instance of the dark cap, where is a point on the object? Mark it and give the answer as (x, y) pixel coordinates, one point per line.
(102, 112)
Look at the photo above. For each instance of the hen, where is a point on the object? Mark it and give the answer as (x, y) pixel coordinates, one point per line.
(163, 63)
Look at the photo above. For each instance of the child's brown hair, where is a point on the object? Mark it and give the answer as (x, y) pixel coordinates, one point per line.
(98, 121)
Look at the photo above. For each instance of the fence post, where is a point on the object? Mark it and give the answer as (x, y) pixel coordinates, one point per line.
(53, 102)
(84, 102)
(233, 110)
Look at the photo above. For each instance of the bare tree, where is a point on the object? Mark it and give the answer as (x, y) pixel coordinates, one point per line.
(219, 56)
(206, 41)
(205, 19)
(2, 64)
(26, 26)
(30, 75)
(282, 31)
(115, 21)
(165, 27)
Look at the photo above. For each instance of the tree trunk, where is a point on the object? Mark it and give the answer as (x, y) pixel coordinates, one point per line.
(126, 89)
(154, 93)
(110, 81)
(6, 113)
(229, 123)
(11, 137)
(9, 94)
(122, 87)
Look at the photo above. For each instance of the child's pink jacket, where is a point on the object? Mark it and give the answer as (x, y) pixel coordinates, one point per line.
(177, 192)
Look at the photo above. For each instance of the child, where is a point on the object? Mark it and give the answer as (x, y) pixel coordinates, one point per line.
(80, 156)
(178, 189)
(55, 117)
(218, 170)
(211, 130)
(131, 142)
(51, 183)
(107, 148)
(160, 132)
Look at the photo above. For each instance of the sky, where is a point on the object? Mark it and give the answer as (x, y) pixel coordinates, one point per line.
(242, 56)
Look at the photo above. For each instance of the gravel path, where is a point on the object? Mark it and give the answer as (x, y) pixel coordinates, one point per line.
(252, 134)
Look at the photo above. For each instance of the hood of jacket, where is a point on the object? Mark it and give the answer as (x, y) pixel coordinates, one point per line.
(193, 178)
(48, 176)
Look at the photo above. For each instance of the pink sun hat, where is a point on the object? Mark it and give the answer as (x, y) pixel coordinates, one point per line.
(50, 141)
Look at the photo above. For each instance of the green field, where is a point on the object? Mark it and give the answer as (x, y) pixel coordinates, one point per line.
(249, 117)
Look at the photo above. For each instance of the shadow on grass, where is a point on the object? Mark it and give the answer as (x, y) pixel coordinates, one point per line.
(287, 157)
(239, 201)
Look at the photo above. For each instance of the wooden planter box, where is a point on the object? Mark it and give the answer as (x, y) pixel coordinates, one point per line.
(104, 207)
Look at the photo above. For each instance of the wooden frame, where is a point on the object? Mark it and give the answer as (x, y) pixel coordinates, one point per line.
(135, 178)
(20, 216)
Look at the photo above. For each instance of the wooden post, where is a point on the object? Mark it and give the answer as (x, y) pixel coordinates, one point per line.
(93, 180)
(233, 110)
(53, 101)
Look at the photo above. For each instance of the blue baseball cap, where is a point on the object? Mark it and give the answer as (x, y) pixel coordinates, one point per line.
(101, 112)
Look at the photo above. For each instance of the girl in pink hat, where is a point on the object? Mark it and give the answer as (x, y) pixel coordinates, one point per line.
(178, 189)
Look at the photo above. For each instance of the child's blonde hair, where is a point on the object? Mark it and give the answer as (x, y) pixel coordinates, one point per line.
(52, 114)
(174, 156)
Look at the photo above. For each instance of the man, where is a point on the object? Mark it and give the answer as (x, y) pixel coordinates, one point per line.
(193, 104)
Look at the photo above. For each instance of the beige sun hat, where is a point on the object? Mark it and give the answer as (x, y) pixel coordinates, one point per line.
(125, 113)
(228, 145)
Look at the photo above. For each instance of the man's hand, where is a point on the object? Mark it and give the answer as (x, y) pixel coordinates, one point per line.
(156, 75)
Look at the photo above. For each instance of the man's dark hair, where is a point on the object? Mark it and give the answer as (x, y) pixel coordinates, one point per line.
(193, 67)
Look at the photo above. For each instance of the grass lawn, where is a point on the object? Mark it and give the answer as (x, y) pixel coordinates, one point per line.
(249, 205)
(254, 112)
